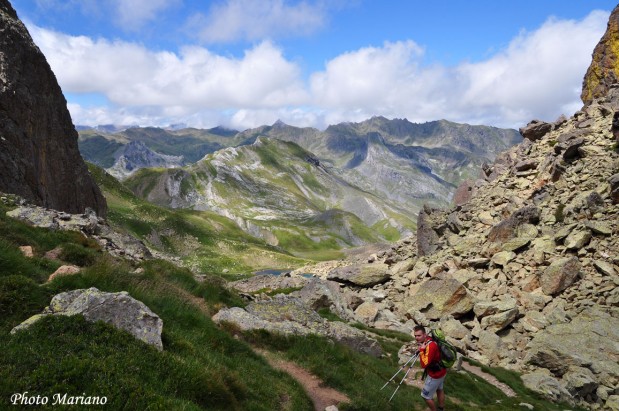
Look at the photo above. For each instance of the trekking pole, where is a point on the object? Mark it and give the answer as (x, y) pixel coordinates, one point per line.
(403, 378)
(401, 368)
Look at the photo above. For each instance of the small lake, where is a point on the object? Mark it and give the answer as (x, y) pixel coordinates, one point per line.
(280, 272)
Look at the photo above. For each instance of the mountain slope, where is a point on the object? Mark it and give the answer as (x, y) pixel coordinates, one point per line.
(278, 191)
(406, 163)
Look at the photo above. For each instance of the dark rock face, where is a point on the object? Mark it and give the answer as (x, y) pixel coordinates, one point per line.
(535, 130)
(39, 157)
(604, 68)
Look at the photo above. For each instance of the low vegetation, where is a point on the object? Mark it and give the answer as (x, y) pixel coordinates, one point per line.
(203, 366)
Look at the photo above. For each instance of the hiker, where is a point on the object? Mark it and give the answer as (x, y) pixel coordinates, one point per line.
(429, 357)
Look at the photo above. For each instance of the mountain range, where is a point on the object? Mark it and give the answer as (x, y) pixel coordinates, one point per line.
(350, 184)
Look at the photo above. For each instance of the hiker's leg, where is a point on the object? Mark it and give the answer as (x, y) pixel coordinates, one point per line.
(427, 393)
(431, 405)
(440, 394)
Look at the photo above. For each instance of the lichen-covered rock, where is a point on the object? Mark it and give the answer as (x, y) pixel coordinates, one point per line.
(579, 343)
(559, 275)
(268, 283)
(39, 157)
(319, 294)
(535, 130)
(440, 296)
(614, 188)
(290, 316)
(541, 381)
(604, 69)
(118, 309)
(362, 275)
(580, 382)
(506, 229)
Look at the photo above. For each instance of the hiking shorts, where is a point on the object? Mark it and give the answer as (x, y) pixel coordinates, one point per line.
(431, 386)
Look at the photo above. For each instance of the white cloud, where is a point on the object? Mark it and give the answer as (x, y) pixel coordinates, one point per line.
(131, 75)
(538, 75)
(255, 20)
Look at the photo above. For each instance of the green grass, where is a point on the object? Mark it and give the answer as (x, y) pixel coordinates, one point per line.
(206, 241)
(202, 367)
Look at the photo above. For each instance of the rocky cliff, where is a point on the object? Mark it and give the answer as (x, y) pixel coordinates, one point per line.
(604, 69)
(39, 157)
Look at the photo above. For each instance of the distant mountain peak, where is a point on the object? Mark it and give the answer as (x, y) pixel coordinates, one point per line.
(279, 124)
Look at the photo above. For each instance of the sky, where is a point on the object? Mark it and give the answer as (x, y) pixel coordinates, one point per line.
(246, 63)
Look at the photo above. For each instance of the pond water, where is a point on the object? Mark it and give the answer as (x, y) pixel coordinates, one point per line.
(280, 272)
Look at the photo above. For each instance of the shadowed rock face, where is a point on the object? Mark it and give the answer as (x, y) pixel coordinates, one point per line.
(39, 157)
(604, 68)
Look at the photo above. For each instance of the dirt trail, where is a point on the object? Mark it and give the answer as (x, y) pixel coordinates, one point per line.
(321, 396)
(490, 378)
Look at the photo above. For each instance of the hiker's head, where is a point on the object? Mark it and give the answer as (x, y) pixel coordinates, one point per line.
(419, 332)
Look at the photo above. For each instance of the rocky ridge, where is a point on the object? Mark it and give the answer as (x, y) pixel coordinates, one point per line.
(525, 274)
(39, 157)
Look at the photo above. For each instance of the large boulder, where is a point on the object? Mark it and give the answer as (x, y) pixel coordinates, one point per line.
(362, 275)
(559, 275)
(507, 229)
(319, 293)
(268, 282)
(290, 316)
(542, 382)
(535, 130)
(427, 237)
(118, 309)
(614, 188)
(590, 340)
(39, 157)
(440, 296)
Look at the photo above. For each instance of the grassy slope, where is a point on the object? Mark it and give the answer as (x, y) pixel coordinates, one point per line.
(275, 186)
(202, 366)
(205, 241)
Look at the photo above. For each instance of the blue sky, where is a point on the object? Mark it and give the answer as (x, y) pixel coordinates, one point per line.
(244, 63)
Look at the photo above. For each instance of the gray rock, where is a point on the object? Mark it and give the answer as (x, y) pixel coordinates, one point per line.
(499, 321)
(268, 283)
(590, 340)
(427, 238)
(535, 130)
(542, 382)
(39, 157)
(526, 165)
(486, 308)
(599, 227)
(506, 229)
(363, 275)
(612, 403)
(289, 316)
(319, 294)
(490, 345)
(614, 188)
(559, 275)
(580, 382)
(577, 239)
(440, 296)
(604, 267)
(503, 258)
(118, 309)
